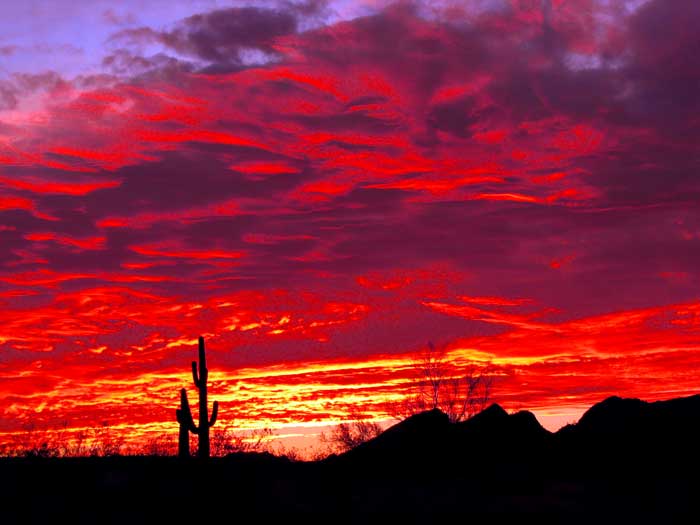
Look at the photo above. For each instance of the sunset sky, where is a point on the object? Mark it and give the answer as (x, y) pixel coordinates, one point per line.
(321, 188)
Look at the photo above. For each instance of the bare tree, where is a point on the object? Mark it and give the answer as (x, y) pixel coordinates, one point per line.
(439, 384)
(346, 436)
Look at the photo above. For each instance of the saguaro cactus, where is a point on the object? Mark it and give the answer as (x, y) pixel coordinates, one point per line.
(184, 414)
(184, 417)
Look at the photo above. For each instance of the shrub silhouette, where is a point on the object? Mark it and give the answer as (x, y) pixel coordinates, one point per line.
(184, 414)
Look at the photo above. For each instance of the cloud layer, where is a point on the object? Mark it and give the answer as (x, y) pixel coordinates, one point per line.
(320, 194)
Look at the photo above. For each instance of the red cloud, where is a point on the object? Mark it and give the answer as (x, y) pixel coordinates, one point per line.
(88, 243)
(58, 187)
(183, 253)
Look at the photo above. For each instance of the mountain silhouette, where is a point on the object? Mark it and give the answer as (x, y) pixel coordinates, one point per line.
(494, 426)
(429, 438)
(634, 434)
(629, 433)
(624, 461)
(411, 444)
(625, 417)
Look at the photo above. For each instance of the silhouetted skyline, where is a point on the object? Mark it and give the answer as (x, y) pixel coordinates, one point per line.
(625, 460)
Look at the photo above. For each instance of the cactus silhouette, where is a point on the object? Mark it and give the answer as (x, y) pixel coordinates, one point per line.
(184, 417)
(184, 414)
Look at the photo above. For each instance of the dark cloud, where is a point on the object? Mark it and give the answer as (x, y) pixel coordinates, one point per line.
(665, 88)
(18, 85)
(125, 63)
(227, 39)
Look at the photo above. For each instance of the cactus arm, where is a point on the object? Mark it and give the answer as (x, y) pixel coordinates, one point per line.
(188, 424)
(195, 378)
(184, 414)
(202, 354)
(214, 413)
(203, 372)
(184, 419)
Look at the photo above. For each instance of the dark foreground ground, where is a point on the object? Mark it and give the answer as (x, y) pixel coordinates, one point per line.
(160, 490)
(624, 463)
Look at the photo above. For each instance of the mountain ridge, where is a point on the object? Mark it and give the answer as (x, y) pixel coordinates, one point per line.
(615, 426)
